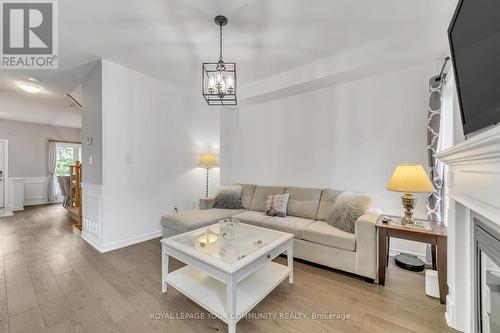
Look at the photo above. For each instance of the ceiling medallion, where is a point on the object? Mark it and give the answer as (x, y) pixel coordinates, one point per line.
(219, 79)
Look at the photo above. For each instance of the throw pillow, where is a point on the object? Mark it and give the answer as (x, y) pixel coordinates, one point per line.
(229, 200)
(228, 197)
(347, 209)
(276, 204)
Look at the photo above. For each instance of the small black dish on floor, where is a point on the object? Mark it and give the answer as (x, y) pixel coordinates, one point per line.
(409, 262)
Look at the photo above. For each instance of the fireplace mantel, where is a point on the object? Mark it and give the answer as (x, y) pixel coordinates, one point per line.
(473, 189)
(482, 147)
(474, 173)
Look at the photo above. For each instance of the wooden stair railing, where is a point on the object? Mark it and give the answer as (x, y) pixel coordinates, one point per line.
(75, 193)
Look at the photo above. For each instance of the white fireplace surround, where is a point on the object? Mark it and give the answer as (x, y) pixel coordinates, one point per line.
(473, 188)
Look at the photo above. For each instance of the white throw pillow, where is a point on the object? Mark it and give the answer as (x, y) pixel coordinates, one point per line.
(347, 209)
(277, 204)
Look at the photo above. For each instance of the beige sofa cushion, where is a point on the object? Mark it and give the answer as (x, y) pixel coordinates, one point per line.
(252, 217)
(260, 196)
(247, 191)
(328, 198)
(292, 224)
(322, 233)
(196, 218)
(303, 202)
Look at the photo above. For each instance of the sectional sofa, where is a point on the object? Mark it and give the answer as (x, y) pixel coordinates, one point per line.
(308, 208)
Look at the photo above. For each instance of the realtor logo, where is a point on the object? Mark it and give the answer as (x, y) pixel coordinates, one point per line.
(29, 34)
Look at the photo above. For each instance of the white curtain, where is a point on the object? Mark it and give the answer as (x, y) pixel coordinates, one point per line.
(52, 171)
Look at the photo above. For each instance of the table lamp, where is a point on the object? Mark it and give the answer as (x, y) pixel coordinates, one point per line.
(208, 161)
(409, 179)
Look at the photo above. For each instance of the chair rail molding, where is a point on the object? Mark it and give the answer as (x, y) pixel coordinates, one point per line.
(472, 182)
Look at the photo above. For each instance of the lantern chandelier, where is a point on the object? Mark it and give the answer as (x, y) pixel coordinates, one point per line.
(219, 79)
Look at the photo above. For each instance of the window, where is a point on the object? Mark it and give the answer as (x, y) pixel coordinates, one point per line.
(448, 111)
(67, 154)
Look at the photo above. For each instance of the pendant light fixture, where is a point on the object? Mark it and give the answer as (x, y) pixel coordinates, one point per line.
(219, 79)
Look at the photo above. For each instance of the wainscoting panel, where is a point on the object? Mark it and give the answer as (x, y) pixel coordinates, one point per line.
(92, 214)
(15, 199)
(35, 190)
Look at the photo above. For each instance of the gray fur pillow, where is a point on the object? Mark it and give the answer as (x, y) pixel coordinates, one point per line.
(227, 200)
(347, 209)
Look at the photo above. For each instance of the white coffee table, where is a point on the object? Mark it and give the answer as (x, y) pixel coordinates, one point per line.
(228, 277)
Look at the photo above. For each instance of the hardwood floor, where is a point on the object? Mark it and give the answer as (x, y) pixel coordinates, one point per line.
(52, 281)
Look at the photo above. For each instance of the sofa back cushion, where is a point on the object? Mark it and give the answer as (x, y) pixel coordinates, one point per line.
(260, 196)
(328, 198)
(247, 192)
(304, 202)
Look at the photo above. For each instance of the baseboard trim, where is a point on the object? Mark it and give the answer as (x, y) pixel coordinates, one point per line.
(38, 202)
(34, 202)
(449, 315)
(103, 248)
(76, 231)
(6, 211)
(92, 241)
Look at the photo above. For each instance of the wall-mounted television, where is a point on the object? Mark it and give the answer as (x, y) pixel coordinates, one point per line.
(474, 36)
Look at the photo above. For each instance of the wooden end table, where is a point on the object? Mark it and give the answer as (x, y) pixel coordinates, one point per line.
(437, 237)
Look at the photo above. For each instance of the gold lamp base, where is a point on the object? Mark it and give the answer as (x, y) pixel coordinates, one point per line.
(409, 203)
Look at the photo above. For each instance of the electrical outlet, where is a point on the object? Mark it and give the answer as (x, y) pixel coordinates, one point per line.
(176, 208)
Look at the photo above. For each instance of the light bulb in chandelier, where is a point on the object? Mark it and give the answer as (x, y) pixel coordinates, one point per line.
(211, 85)
(230, 87)
(218, 84)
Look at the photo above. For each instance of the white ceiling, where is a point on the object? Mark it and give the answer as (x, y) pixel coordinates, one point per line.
(169, 39)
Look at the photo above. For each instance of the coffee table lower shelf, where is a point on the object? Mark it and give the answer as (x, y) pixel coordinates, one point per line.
(211, 293)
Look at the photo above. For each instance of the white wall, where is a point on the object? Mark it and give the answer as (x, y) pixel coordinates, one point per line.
(29, 144)
(28, 157)
(349, 136)
(91, 99)
(153, 134)
(43, 108)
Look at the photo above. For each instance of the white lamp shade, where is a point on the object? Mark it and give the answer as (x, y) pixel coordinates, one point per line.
(208, 160)
(410, 178)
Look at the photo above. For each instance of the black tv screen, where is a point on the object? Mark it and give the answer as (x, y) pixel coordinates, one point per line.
(474, 36)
